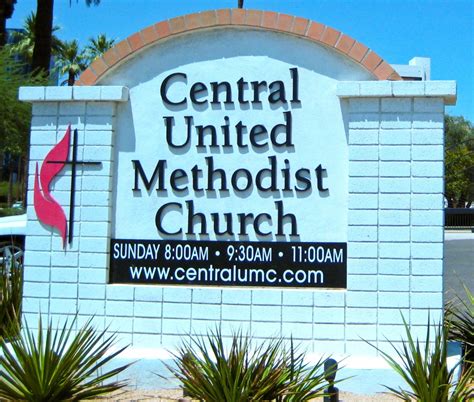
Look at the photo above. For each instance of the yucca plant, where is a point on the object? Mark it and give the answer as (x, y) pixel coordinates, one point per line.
(244, 372)
(424, 369)
(306, 381)
(459, 319)
(58, 365)
(11, 293)
(211, 373)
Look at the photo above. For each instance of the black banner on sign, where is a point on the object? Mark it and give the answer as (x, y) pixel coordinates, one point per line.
(228, 263)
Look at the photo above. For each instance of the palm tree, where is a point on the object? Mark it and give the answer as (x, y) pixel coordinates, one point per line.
(43, 33)
(98, 46)
(24, 40)
(43, 30)
(71, 61)
(240, 3)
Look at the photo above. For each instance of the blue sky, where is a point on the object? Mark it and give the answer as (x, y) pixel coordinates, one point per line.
(397, 30)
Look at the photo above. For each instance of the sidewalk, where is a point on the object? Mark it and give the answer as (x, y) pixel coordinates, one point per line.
(173, 395)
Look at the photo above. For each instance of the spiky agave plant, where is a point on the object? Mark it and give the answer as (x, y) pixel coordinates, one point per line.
(424, 369)
(211, 372)
(459, 320)
(242, 372)
(307, 381)
(61, 365)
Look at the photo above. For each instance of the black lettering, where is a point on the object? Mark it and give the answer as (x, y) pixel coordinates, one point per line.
(278, 92)
(169, 123)
(197, 174)
(319, 174)
(287, 130)
(158, 172)
(243, 223)
(194, 218)
(240, 128)
(216, 86)
(159, 218)
(202, 131)
(212, 173)
(256, 87)
(256, 131)
(177, 175)
(226, 132)
(286, 175)
(295, 86)
(241, 87)
(271, 172)
(228, 221)
(303, 177)
(256, 224)
(282, 217)
(164, 89)
(195, 91)
(235, 177)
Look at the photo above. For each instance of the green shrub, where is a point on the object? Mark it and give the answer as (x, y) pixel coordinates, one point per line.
(245, 372)
(424, 369)
(61, 365)
(11, 293)
(459, 320)
(11, 211)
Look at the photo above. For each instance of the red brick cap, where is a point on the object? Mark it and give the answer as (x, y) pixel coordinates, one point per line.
(265, 20)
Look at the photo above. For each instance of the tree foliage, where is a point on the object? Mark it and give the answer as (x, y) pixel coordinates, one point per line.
(459, 162)
(24, 40)
(71, 61)
(6, 10)
(98, 46)
(15, 116)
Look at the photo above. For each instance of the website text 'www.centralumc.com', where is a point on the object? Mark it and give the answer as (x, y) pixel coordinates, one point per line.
(228, 263)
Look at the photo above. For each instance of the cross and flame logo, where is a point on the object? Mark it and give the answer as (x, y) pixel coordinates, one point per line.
(48, 210)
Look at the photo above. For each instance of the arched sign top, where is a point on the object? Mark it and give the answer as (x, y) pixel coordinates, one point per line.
(265, 20)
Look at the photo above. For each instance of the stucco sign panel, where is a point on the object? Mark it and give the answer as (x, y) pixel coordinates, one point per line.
(231, 172)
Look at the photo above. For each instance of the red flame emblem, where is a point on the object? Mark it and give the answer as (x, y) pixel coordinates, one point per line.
(47, 208)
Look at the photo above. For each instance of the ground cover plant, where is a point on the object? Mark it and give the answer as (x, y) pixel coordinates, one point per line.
(245, 371)
(58, 365)
(424, 368)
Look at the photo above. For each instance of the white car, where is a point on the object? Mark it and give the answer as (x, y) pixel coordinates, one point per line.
(12, 239)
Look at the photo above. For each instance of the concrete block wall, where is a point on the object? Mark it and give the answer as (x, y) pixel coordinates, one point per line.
(395, 232)
(61, 282)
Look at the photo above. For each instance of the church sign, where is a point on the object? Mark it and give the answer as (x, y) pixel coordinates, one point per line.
(239, 169)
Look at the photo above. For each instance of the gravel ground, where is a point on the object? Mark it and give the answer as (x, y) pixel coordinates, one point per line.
(172, 395)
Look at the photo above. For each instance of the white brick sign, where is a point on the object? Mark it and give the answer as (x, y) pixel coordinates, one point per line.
(272, 178)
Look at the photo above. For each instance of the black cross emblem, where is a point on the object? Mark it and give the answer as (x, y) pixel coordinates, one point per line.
(74, 162)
